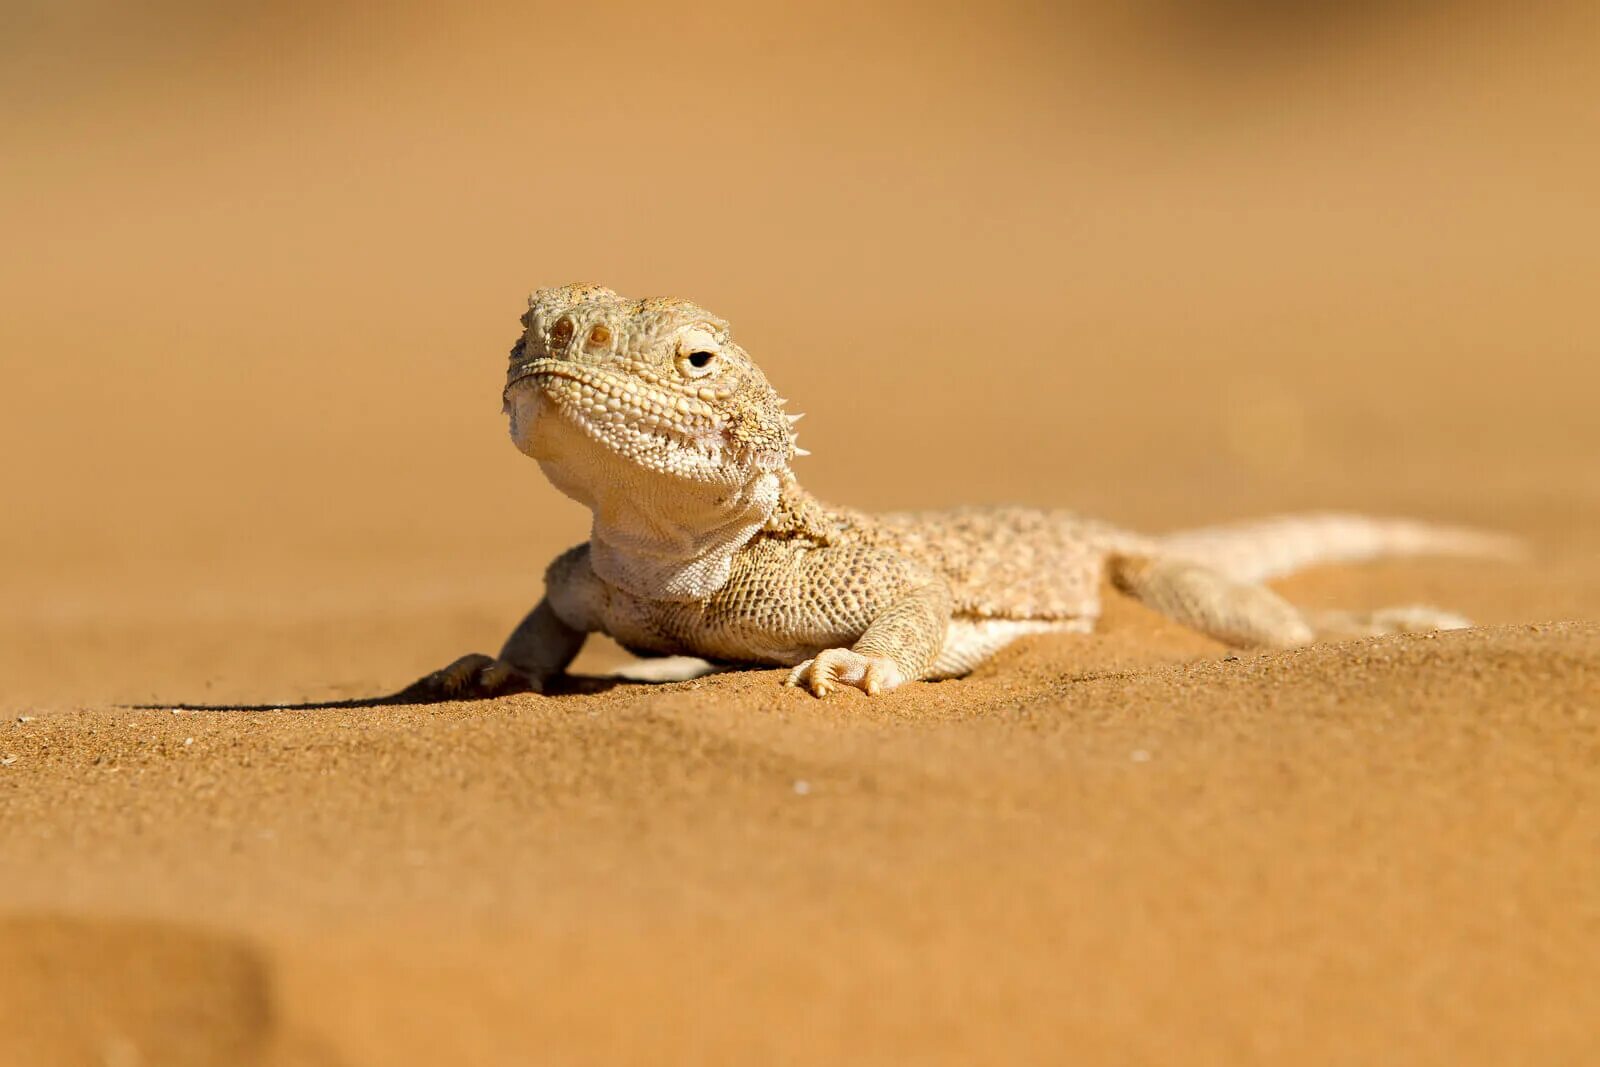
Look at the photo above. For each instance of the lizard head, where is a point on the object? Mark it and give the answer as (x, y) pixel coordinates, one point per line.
(659, 386)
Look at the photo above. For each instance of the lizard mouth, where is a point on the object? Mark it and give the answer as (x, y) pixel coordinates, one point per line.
(637, 415)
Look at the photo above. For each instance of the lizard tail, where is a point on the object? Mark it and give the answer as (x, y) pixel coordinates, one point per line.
(1269, 548)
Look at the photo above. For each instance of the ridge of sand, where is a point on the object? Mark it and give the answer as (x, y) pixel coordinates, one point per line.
(1390, 841)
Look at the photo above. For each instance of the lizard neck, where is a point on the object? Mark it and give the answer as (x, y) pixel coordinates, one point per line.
(666, 539)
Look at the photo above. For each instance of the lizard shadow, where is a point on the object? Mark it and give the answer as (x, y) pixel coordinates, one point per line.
(412, 695)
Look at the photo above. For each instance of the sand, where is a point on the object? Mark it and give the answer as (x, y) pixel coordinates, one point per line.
(1164, 266)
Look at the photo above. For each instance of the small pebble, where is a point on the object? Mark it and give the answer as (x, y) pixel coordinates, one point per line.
(188, 740)
(802, 788)
(7, 760)
(24, 718)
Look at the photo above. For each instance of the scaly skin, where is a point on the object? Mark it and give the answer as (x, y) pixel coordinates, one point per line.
(704, 544)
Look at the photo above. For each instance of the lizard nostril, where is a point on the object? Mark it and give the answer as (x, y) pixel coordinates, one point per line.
(598, 336)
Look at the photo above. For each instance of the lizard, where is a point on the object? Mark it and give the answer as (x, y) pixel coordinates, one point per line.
(703, 542)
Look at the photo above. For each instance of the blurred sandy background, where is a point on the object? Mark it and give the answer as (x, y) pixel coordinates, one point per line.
(1165, 262)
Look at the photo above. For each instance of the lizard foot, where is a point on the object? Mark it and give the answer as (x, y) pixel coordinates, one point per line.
(472, 677)
(840, 666)
(1412, 618)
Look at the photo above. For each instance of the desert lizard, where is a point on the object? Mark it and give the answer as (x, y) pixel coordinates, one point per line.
(704, 544)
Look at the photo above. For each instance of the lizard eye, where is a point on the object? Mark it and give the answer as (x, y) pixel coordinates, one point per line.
(560, 334)
(697, 364)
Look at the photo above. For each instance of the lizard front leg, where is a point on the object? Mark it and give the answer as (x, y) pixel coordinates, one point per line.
(900, 644)
(539, 649)
(542, 646)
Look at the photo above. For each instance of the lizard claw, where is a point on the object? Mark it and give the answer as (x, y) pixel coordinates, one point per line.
(472, 677)
(836, 667)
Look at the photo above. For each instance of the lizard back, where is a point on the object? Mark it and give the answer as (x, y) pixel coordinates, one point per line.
(1001, 562)
(1011, 562)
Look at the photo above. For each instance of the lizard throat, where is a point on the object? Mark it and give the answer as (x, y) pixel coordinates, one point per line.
(673, 545)
(659, 532)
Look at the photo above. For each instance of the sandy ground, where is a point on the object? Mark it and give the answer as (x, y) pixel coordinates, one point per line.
(1165, 263)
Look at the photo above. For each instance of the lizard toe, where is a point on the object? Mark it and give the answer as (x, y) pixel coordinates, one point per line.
(459, 678)
(842, 667)
(882, 675)
(472, 677)
(802, 670)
